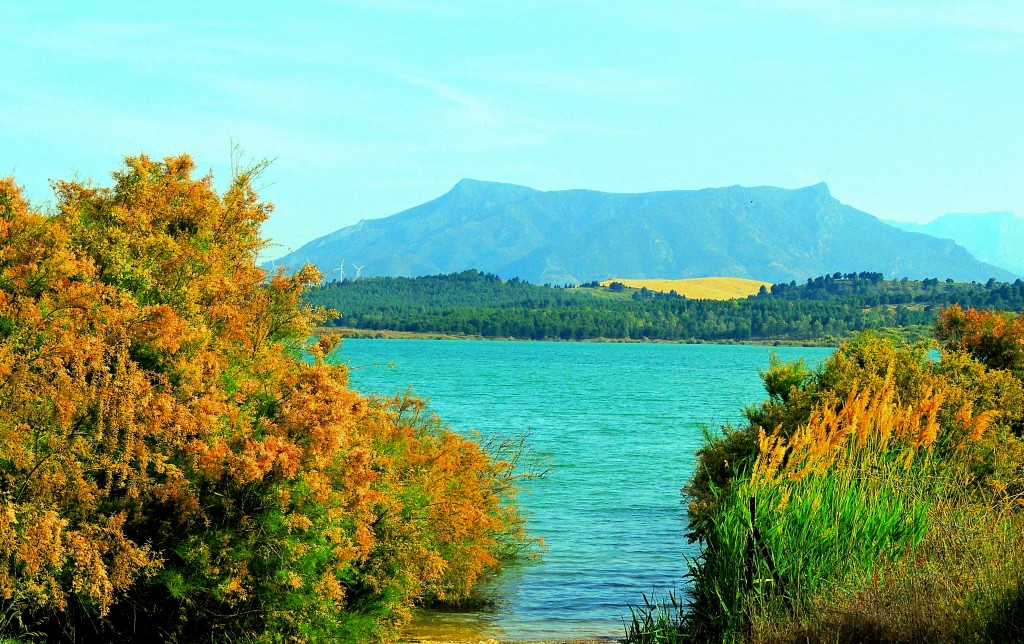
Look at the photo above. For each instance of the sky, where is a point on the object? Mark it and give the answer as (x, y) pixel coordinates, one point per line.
(908, 110)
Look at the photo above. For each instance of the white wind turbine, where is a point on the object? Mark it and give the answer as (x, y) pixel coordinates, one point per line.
(341, 269)
(359, 269)
(273, 263)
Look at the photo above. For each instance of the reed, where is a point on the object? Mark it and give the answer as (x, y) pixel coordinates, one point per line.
(657, 622)
(877, 498)
(860, 518)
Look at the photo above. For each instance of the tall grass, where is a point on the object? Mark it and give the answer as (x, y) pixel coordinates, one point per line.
(865, 524)
(657, 622)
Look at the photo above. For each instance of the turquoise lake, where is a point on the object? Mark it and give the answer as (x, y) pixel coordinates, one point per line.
(619, 425)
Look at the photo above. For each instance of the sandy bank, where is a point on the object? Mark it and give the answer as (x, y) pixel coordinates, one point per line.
(494, 641)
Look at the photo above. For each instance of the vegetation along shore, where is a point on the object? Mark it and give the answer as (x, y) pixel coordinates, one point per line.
(384, 334)
(876, 498)
(179, 462)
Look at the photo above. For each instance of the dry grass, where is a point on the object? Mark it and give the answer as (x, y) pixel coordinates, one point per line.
(700, 288)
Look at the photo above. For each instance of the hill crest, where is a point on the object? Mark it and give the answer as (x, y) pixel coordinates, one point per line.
(993, 237)
(575, 236)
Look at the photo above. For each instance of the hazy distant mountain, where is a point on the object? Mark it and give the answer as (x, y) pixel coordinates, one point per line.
(765, 233)
(993, 237)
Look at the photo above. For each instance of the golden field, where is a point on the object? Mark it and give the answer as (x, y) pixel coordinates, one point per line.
(700, 288)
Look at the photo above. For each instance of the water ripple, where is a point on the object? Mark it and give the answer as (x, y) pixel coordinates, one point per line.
(620, 423)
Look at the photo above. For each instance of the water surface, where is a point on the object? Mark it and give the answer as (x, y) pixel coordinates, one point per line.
(619, 423)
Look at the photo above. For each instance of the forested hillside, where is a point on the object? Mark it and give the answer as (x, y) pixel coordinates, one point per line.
(822, 309)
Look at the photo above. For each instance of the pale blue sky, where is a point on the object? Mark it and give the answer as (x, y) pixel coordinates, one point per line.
(906, 109)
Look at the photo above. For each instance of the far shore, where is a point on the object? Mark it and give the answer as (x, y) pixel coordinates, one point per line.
(382, 334)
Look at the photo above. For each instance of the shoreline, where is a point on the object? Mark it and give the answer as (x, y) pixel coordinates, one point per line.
(382, 334)
(440, 628)
(497, 641)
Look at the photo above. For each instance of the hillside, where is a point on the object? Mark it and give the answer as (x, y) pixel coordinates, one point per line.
(993, 237)
(699, 288)
(575, 236)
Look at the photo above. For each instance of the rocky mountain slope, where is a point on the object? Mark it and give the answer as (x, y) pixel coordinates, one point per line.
(764, 233)
(993, 237)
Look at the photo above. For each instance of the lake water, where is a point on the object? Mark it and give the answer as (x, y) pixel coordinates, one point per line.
(619, 424)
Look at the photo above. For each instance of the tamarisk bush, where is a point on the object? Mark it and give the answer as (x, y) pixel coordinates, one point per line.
(178, 460)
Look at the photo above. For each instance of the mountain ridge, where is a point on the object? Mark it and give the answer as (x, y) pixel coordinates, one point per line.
(993, 237)
(573, 236)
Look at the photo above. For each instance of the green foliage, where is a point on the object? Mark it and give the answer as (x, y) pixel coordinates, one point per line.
(995, 338)
(180, 462)
(793, 392)
(719, 460)
(657, 622)
(783, 380)
(887, 487)
(822, 532)
(824, 310)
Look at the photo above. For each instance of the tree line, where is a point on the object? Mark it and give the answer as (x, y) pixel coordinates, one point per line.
(822, 309)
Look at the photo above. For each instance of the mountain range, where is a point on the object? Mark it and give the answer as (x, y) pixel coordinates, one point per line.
(575, 236)
(993, 237)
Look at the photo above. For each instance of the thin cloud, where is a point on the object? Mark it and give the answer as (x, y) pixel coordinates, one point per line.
(475, 123)
(618, 85)
(991, 45)
(994, 17)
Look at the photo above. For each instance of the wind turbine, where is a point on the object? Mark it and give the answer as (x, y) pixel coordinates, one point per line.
(273, 262)
(341, 269)
(358, 270)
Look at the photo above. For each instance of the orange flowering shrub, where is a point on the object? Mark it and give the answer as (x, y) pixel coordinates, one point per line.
(171, 465)
(995, 338)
